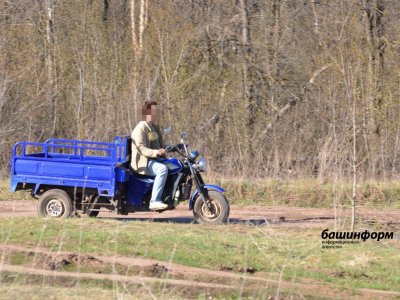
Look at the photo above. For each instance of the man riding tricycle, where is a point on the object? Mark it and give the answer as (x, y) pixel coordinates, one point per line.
(130, 174)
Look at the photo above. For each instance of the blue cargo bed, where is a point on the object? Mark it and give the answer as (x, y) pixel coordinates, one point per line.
(70, 163)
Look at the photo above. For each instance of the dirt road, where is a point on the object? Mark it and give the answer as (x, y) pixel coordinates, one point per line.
(257, 215)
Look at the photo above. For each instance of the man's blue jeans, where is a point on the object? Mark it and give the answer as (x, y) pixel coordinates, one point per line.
(159, 170)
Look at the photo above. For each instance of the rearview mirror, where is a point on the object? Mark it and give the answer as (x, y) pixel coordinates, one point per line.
(168, 130)
(183, 134)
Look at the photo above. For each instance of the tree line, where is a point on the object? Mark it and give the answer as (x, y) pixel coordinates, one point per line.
(280, 88)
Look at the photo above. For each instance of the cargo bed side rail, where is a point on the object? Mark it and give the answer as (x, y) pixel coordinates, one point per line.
(64, 152)
(120, 143)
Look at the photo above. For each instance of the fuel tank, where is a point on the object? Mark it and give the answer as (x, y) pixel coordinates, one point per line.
(173, 164)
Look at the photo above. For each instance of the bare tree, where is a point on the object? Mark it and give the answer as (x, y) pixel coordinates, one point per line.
(259, 84)
(106, 9)
(49, 7)
(247, 80)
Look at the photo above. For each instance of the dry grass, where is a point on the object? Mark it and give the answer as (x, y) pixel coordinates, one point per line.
(309, 192)
(5, 193)
(275, 192)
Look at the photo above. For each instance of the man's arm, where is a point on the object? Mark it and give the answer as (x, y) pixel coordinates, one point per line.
(139, 139)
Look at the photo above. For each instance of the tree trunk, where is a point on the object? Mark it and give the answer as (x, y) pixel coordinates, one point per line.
(247, 80)
(354, 166)
(137, 43)
(376, 42)
(316, 21)
(143, 19)
(49, 7)
(105, 11)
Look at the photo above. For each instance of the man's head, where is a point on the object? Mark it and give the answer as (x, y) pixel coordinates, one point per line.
(150, 112)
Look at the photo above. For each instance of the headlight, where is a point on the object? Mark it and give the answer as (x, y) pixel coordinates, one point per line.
(194, 154)
(202, 165)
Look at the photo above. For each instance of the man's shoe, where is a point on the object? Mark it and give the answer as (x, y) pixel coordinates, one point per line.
(157, 205)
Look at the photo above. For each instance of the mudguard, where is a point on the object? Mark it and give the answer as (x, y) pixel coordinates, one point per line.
(208, 187)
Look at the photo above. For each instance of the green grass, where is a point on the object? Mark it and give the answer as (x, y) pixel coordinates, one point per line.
(293, 252)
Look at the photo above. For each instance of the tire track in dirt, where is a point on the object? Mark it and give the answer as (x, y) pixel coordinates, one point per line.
(112, 277)
(243, 281)
(173, 268)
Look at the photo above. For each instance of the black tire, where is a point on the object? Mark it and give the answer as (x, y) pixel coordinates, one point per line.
(55, 204)
(92, 213)
(218, 213)
(95, 206)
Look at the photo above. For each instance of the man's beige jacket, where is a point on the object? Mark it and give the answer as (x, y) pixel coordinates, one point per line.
(146, 140)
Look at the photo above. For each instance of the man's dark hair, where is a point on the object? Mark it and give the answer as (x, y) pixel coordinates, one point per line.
(147, 104)
(146, 107)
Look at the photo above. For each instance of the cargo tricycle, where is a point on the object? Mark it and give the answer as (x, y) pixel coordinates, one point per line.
(74, 177)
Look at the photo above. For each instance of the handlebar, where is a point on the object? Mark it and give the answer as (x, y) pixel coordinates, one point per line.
(173, 148)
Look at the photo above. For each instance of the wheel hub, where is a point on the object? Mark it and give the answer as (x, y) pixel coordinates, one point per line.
(212, 212)
(54, 208)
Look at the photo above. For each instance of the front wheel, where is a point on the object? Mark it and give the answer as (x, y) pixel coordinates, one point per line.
(55, 204)
(218, 212)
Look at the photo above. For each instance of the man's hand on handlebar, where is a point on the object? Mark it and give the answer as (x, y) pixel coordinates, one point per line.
(170, 148)
(161, 152)
(173, 148)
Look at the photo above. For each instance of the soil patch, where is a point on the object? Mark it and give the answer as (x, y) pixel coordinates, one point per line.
(193, 280)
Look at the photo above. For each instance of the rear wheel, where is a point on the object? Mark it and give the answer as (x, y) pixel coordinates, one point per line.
(93, 213)
(217, 213)
(93, 209)
(55, 204)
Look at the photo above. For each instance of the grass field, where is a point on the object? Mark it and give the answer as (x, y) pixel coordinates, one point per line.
(268, 260)
(289, 254)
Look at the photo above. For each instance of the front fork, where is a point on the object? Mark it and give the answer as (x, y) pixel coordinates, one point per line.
(205, 198)
(206, 188)
(202, 190)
